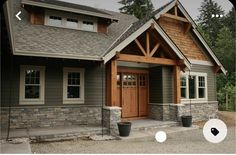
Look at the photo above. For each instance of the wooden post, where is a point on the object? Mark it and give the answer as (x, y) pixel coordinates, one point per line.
(113, 82)
(177, 84)
(147, 43)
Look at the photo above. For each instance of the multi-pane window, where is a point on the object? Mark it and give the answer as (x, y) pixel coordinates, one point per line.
(55, 20)
(194, 86)
(183, 87)
(73, 86)
(72, 23)
(201, 87)
(32, 85)
(88, 26)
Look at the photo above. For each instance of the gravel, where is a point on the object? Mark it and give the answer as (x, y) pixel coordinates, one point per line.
(179, 142)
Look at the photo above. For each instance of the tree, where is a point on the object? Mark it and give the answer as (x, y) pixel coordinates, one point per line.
(138, 8)
(210, 24)
(230, 21)
(225, 49)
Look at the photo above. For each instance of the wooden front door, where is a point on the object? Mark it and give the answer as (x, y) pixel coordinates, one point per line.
(132, 93)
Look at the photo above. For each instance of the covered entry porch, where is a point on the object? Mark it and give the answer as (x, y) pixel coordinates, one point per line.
(143, 74)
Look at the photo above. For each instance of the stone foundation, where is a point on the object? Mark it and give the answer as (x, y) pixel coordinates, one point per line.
(173, 112)
(34, 117)
(111, 116)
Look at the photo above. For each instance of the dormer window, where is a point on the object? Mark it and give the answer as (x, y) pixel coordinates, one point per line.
(71, 23)
(88, 26)
(55, 20)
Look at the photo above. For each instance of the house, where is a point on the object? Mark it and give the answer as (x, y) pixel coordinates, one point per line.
(66, 64)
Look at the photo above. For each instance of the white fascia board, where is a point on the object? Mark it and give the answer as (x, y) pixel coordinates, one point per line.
(107, 50)
(182, 9)
(126, 42)
(167, 8)
(56, 55)
(172, 45)
(189, 18)
(209, 51)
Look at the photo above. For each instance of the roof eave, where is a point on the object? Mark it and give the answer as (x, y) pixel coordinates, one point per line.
(55, 7)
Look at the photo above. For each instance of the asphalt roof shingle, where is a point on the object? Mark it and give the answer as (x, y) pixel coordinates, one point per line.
(62, 41)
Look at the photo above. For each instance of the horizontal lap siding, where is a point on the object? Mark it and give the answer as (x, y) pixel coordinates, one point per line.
(211, 80)
(155, 85)
(53, 80)
(93, 85)
(168, 89)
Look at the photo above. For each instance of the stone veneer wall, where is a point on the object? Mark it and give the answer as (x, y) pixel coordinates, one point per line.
(41, 116)
(173, 112)
(111, 116)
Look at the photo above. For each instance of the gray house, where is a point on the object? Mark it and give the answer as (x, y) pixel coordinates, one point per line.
(64, 64)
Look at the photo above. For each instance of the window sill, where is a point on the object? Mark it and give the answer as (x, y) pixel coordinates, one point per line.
(31, 102)
(203, 100)
(73, 101)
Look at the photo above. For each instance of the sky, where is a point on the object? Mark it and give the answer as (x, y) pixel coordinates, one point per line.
(190, 5)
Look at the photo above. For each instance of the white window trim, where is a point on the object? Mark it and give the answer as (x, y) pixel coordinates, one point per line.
(22, 99)
(64, 17)
(197, 74)
(65, 79)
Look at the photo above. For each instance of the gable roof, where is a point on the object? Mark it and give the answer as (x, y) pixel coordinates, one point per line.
(70, 7)
(48, 41)
(156, 15)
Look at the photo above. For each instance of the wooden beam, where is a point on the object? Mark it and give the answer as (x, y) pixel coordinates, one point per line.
(188, 26)
(154, 49)
(167, 15)
(140, 46)
(163, 46)
(153, 60)
(176, 12)
(147, 43)
(113, 82)
(177, 89)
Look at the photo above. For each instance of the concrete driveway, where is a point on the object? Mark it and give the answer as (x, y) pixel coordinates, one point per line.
(179, 142)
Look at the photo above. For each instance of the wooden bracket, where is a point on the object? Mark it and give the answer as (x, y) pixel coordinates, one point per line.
(216, 69)
(140, 47)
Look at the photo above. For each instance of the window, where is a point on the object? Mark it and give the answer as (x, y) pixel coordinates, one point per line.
(55, 20)
(73, 86)
(88, 26)
(183, 87)
(71, 23)
(69, 20)
(31, 85)
(194, 86)
(201, 87)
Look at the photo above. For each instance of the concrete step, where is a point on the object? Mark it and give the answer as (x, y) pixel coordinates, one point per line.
(146, 125)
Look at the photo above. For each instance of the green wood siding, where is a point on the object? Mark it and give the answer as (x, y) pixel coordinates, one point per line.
(53, 80)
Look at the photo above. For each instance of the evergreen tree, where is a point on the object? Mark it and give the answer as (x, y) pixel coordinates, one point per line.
(210, 24)
(225, 49)
(230, 21)
(138, 8)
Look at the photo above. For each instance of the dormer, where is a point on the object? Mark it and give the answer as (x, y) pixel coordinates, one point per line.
(67, 15)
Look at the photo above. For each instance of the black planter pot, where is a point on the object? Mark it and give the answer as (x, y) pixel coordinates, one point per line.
(124, 128)
(186, 121)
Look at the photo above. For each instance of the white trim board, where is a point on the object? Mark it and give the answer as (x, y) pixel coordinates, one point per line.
(142, 29)
(201, 62)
